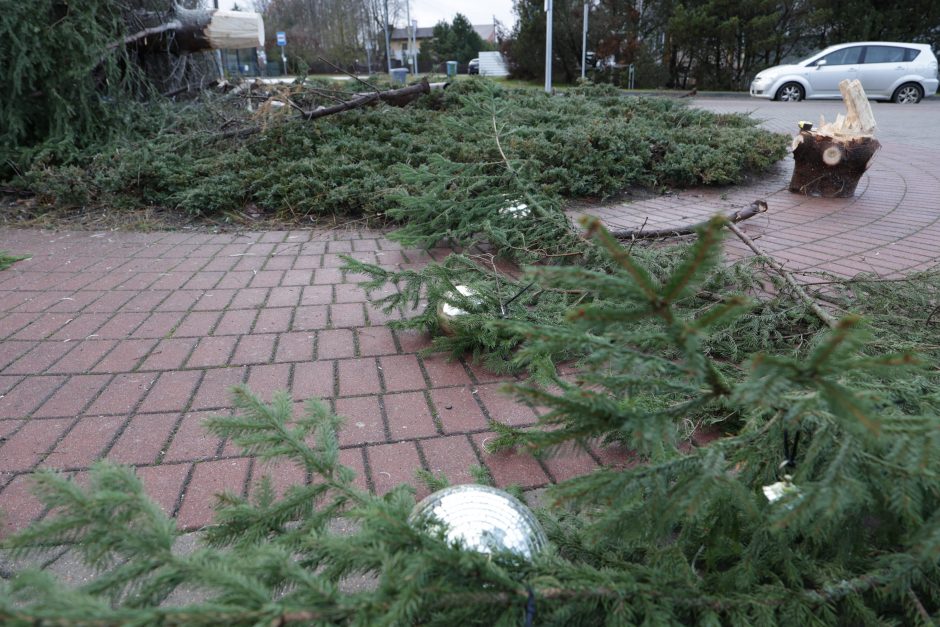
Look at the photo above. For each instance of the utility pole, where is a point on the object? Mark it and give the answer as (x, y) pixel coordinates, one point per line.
(414, 46)
(388, 46)
(584, 41)
(548, 46)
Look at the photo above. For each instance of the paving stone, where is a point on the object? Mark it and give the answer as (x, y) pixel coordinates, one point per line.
(191, 441)
(363, 422)
(28, 395)
(197, 324)
(143, 438)
(83, 356)
(19, 505)
(445, 372)
(69, 399)
(393, 465)
(452, 456)
(125, 356)
(263, 381)
(458, 410)
(171, 392)
(335, 343)
(209, 479)
(236, 322)
(215, 389)
(358, 376)
(401, 372)
(309, 318)
(408, 415)
(254, 349)
(347, 315)
(169, 354)
(375, 341)
(123, 393)
(503, 408)
(29, 445)
(568, 461)
(164, 484)
(509, 468)
(212, 351)
(85, 442)
(314, 379)
(36, 361)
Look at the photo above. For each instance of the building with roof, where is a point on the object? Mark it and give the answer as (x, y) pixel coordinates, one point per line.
(399, 38)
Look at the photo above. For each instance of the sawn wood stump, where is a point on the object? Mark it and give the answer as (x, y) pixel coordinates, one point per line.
(830, 166)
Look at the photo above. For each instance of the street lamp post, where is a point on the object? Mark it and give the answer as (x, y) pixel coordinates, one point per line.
(584, 41)
(548, 46)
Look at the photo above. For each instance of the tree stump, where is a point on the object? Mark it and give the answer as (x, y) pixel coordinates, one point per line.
(830, 160)
(830, 166)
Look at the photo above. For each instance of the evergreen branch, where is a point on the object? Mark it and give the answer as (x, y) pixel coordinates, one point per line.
(797, 288)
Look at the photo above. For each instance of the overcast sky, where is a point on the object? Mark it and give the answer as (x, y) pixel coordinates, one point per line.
(430, 12)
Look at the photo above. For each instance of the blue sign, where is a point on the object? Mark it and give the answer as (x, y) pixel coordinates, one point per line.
(281, 38)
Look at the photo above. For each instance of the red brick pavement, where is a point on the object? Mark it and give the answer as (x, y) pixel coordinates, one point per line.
(117, 345)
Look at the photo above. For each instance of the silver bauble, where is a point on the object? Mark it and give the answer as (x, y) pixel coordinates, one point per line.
(482, 519)
(447, 312)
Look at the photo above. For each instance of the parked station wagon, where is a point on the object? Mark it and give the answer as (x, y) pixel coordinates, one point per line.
(899, 72)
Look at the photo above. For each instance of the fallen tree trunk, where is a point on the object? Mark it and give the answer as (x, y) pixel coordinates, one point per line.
(755, 208)
(830, 160)
(395, 97)
(195, 30)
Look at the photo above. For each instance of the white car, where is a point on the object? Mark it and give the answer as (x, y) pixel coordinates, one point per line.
(898, 72)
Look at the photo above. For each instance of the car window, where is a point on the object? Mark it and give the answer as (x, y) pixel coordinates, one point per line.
(846, 56)
(888, 54)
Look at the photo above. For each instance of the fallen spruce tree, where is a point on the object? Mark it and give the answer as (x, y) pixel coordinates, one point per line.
(722, 397)
(686, 536)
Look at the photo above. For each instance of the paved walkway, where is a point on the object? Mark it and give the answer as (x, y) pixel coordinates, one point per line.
(890, 226)
(116, 345)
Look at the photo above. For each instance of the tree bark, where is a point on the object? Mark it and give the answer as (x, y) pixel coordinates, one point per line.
(755, 208)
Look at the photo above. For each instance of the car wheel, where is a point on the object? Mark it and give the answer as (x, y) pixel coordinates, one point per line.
(790, 92)
(908, 93)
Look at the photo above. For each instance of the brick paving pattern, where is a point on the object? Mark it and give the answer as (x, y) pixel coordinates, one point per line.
(117, 345)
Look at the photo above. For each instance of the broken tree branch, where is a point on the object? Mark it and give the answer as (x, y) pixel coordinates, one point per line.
(395, 97)
(783, 272)
(755, 208)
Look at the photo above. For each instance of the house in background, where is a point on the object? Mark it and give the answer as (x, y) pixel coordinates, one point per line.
(399, 38)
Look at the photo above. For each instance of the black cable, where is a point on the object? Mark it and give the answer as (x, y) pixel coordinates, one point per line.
(530, 607)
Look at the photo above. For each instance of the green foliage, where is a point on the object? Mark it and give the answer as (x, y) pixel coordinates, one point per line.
(457, 41)
(684, 537)
(63, 89)
(7, 260)
(373, 162)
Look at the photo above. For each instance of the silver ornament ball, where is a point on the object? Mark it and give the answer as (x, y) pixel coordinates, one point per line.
(482, 519)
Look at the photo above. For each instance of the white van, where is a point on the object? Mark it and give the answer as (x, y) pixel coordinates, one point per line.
(898, 72)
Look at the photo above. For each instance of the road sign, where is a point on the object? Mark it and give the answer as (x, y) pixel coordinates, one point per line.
(281, 38)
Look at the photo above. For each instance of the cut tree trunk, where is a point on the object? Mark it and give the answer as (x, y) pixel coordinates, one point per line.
(195, 30)
(830, 160)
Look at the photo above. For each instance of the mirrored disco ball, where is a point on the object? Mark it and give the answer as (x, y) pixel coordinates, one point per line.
(483, 519)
